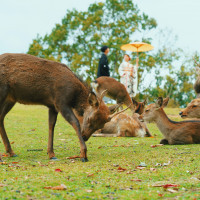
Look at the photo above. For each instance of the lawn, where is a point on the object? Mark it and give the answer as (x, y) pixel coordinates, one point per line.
(112, 172)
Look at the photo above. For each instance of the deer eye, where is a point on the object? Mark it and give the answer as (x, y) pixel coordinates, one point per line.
(194, 106)
(146, 110)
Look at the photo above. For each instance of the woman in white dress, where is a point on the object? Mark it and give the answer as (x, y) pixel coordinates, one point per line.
(128, 76)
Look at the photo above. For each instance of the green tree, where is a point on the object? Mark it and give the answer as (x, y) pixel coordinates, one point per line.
(77, 40)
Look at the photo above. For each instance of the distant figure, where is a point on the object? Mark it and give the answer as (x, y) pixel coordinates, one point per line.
(103, 68)
(128, 76)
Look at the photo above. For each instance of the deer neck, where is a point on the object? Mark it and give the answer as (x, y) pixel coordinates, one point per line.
(164, 123)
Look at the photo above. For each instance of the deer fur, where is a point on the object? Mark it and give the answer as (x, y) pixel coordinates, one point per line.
(184, 132)
(123, 125)
(115, 90)
(31, 80)
(192, 110)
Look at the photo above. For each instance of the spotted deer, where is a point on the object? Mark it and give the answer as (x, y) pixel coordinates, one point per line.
(184, 132)
(31, 80)
(124, 125)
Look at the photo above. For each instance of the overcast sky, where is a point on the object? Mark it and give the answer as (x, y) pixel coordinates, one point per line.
(22, 20)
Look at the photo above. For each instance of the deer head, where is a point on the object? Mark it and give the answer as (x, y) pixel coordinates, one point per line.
(151, 112)
(139, 106)
(192, 110)
(96, 115)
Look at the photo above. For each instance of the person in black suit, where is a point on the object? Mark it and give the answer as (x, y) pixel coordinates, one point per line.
(103, 68)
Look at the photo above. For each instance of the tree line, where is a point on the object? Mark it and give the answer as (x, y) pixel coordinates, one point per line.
(77, 40)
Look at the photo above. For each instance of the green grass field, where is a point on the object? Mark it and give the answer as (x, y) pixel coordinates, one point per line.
(111, 173)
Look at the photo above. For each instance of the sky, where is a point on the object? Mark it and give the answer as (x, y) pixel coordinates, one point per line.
(22, 20)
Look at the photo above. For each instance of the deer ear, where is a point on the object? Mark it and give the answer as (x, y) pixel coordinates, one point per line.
(92, 100)
(159, 102)
(134, 101)
(165, 102)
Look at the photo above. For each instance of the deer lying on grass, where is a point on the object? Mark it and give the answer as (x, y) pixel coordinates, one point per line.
(118, 92)
(192, 110)
(124, 125)
(31, 80)
(185, 132)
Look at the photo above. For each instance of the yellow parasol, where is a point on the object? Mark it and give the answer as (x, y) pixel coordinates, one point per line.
(137, 47)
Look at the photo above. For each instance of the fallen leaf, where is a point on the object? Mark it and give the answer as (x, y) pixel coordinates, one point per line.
(3, 163)
(152, 169)
(166, 185)
(172, 190)
(58, 170)
(138, 167)
(90, 175)
(156, 145)
(89, 191)
(12, 142)
(14, 162)
(99, 147)
(73, 157)
(138, 180)
(59, 187)
(160, 195)
(5, 155)
(120, 169)
(115, 145)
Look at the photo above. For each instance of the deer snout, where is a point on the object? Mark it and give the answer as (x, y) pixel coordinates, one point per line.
(183, 114)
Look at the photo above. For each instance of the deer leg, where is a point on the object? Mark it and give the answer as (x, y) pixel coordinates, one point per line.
(71, 118)
(164, 141)
(148, 134)
(52, 122)
(5, 108)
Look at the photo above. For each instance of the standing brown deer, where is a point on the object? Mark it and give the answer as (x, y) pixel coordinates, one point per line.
(185, 132)
(192, 110)
(31, 80)
(115, 90)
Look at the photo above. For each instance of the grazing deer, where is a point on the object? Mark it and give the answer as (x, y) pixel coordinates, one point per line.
(124, 125)
(31, 80)
(185, 132)
(192, 110)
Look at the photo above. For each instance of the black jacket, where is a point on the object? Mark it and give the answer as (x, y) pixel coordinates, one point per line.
(103, 68)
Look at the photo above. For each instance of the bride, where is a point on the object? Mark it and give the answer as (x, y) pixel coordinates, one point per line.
(128, 76)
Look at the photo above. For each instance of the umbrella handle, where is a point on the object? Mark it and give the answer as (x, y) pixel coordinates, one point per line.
(137, 60)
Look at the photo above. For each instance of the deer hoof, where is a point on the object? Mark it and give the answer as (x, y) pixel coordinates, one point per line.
(84, 159)
(164, 141)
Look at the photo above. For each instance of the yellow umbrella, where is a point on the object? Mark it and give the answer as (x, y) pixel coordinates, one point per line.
(137, 47)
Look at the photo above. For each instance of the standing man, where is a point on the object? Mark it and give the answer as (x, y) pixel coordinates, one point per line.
(103, 68)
